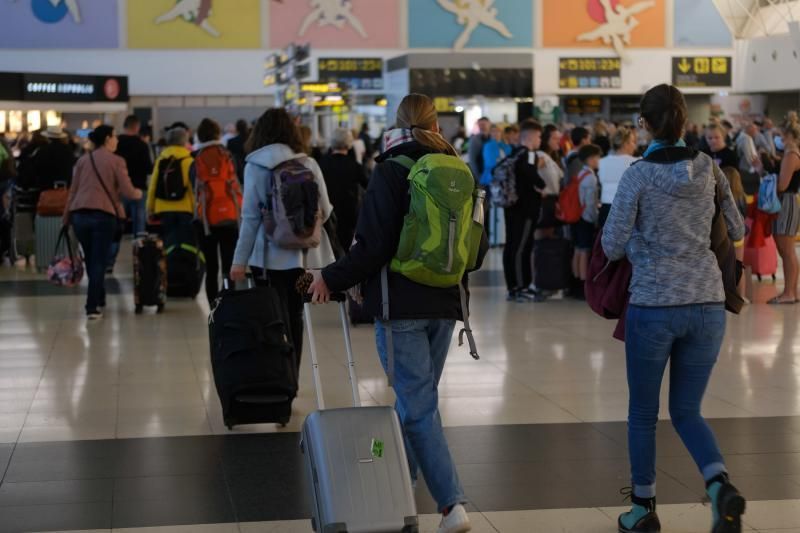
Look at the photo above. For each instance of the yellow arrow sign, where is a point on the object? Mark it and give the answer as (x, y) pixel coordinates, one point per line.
(685, 66)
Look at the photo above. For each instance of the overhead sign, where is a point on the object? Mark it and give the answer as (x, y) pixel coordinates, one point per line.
(584, 106)
(702, 71)
(63, 87)
(358, 73)
(589, 73)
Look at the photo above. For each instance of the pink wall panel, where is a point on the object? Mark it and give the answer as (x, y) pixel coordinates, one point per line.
(335, 23)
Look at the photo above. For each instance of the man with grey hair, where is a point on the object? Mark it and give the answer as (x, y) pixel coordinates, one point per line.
(345, 180)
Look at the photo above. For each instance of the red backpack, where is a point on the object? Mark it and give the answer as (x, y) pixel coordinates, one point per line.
(219, 196)
(569, 209)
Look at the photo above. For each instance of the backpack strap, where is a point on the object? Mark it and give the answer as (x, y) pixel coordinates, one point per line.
(404, 161)
(467, 329)
(387, 323)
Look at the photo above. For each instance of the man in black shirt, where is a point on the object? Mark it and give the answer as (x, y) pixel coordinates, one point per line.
(521, 218)
(236, 146)
(136, 154)
(722, 154)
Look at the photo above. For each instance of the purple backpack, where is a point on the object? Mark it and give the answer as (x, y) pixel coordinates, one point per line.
(292, 217)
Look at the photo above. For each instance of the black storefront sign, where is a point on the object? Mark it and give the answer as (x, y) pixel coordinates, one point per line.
(702, 71)
(589, 73)
(358, 73)
(499, 82)
(28, 87)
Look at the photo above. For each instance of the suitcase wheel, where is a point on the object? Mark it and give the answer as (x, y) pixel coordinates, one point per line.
(774, 278)
(759, 277)
(283, 422)
(160, 309)
(139, 309)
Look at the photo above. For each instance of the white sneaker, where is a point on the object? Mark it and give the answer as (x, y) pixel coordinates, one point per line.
(456, 521)
(94, 315)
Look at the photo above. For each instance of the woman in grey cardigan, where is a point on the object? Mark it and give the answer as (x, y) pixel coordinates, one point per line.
(661, 219)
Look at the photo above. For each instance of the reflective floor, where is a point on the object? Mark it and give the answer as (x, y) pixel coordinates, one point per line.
(551, 365)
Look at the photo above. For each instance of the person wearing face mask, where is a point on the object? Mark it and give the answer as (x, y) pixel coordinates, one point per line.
(613, 166)
(94, 205)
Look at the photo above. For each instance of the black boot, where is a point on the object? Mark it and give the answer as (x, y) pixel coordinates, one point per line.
(642, 518)
(727, 505)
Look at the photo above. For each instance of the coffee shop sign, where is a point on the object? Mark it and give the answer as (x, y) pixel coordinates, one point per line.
(60, 88)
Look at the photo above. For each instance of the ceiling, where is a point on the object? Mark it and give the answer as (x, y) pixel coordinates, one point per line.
(758, 18)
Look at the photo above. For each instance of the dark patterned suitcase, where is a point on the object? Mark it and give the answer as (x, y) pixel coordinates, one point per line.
(149, 273)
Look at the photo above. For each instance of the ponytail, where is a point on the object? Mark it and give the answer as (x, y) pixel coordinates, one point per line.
(418, 114)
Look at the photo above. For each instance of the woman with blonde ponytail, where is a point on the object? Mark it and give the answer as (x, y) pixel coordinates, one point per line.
(422, 317)
(788, 222)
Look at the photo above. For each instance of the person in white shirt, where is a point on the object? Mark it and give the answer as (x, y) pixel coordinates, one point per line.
(613, 166)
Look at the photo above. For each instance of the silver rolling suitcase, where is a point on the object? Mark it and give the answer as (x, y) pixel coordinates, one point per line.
(47, 230)
(356, 460)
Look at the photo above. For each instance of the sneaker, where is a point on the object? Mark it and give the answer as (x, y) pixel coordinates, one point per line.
(456, 521)
(642, 517)
(94, 315)
(511, 296)
(727, 505)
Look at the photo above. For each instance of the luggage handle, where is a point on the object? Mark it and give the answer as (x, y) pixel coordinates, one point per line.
(312, 345)
(226, 283)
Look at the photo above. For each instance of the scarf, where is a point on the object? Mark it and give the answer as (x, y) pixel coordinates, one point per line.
(658, 145)
(395, 137)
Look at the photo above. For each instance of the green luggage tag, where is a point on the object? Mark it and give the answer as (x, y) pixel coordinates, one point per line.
(377, 448)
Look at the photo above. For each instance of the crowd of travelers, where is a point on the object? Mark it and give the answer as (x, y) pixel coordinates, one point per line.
(647, 191)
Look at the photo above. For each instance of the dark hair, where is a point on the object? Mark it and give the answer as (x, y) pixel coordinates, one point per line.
(589, 150)
(530, 125)
(664, 109)
(208, 130)
(242, 127)
(578, 135)
(131, 121)
(178, 124)
(484, 119)
(275, 126)
(513, 128)
(99, 135)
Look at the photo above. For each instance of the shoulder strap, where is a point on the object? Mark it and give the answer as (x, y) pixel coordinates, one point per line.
(102, 184)
(404, 161)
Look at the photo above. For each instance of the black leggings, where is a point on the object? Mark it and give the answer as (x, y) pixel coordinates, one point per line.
(520, 227)
(284, 281)
(219, 242)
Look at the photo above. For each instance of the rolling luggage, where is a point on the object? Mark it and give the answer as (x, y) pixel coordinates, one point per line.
(149, 273)
(47, 230)
(763, 261)
(23, 208)
(356, 460)
(252, 356)
(186, 264)
(553, 263)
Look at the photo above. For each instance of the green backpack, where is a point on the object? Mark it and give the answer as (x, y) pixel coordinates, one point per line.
(440, 239)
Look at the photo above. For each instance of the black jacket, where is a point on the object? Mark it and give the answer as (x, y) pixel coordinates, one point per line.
(136, 154)
(527, 181)
(380, 222)
(53, 163)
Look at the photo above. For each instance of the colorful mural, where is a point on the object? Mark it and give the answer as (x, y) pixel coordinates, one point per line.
(335, 23)
(59, 24)
(618, 24)
(698, 23)
(460, 24)
(194, 24)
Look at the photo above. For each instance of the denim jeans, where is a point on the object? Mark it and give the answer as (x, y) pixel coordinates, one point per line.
(689, 337)
(138, 214)
(420, 350)
(95, 231)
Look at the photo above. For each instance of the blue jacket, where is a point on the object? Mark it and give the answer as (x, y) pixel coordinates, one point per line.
(252, 238)
(492, 151)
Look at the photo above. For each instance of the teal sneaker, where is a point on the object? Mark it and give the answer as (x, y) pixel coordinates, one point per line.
(727, 505)
(642, 517)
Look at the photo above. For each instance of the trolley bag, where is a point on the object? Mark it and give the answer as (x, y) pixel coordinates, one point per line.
(252, 356)
(355, 459)
(186, 264)
(763, 260)
(47, 230)
(552, 260)
(149, 273)
(23, 208)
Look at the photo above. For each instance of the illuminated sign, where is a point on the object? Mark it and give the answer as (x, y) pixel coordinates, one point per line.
(358, 73)
(589, 73)
(703, 71)
(583, 106)
(62, 87)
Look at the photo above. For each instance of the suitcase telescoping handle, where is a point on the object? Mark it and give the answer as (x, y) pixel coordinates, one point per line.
(226, 283)
(348, 345)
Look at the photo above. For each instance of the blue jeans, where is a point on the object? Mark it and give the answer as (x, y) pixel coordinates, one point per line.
(95, 231)
(138, 214)
(689, 337)
(420, 349)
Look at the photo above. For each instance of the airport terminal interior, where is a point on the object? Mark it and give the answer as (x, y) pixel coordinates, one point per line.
(119, 400)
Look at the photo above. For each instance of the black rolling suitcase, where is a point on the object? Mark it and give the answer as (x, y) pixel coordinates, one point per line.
(186, 264)
(252, 356)
(553, 263)
(149, 273)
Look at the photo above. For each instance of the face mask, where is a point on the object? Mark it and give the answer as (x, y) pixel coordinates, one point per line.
(779, 144)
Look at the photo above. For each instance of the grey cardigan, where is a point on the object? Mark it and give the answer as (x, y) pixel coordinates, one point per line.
(661, 219)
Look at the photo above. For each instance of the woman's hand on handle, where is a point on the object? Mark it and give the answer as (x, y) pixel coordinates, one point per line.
(238, 273)
(319, 291)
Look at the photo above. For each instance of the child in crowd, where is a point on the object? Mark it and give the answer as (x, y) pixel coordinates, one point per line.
(584, 230)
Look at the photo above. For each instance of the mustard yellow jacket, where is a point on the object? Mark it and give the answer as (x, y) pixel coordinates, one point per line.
(157, 206)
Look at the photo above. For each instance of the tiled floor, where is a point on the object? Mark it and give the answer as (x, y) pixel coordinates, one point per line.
(543, 366)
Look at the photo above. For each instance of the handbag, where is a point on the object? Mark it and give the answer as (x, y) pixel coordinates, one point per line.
(120, 227)
(66, 270)
(53, 202)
